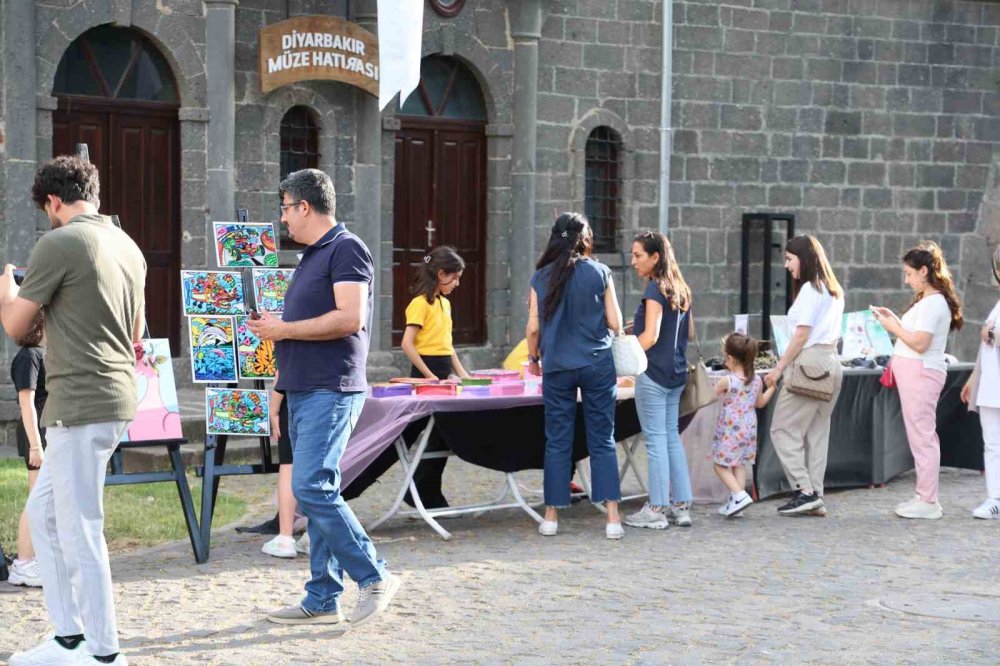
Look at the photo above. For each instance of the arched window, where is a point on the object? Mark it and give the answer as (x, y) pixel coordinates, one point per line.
(299, 150)
(602, 188)
(447, 90)
(117, 63)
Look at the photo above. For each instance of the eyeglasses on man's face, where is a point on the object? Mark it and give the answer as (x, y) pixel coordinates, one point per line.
(284, 207)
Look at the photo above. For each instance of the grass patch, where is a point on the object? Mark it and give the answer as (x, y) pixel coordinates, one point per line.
(134, 516)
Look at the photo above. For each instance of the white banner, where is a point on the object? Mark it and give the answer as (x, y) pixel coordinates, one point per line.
(400, 29)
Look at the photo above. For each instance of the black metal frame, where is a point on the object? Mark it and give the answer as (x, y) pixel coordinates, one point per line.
(768, 220)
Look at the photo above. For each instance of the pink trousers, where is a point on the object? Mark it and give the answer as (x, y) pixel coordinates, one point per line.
(919, 391)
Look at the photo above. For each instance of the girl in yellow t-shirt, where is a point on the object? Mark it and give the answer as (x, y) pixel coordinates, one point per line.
(427, 338)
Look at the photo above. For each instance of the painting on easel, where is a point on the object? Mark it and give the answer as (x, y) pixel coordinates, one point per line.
(240, 244)
(269, 288)
(212, 293)
(157, 415)
(255, 356)
(236, 412)
(213, 357)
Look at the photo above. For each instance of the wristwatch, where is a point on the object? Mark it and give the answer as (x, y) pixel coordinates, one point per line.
(533, 359)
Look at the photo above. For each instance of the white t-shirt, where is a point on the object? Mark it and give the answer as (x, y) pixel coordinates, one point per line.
(930, 314)
(989, 368)
(820, 311)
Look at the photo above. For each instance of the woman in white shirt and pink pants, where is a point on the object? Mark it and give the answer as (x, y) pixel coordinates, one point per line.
(919, 366)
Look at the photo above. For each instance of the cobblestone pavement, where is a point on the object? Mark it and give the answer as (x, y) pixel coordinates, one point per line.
(759, 589)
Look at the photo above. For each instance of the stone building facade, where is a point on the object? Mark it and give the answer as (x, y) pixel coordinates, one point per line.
(872, 121)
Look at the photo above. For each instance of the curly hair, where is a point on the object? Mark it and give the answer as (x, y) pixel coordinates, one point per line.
(68, 177)
(928, 254)
(33, 336)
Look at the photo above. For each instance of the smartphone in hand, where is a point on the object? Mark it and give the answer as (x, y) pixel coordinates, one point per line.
(19, 274)
(254, 314)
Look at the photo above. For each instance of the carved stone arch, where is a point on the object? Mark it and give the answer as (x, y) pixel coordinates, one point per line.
(578, 154)
(277, 104)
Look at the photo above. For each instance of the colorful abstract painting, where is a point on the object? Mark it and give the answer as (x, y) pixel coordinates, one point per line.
(245, 244)
(212, 293)
(236, 412)
(255, 356)
(213, 355)
(864, 337)
(157, 416)
(269, 288)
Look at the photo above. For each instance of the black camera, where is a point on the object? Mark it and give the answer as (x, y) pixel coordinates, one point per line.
(19, 275)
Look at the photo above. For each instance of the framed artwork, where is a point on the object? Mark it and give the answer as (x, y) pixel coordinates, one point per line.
(245, 244)
(255, 357)
(782, 331)
(269, 288)
(212, 293)
(157, 416)
(213, 355)
(236, 412)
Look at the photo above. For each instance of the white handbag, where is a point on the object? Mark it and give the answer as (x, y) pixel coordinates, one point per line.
(629, 356)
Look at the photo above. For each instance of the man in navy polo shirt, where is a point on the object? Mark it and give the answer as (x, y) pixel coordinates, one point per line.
(321, 344)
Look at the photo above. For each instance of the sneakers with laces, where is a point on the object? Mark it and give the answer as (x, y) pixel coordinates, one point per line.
(921, 510)
(614, 531)
(374, 599)
(296, 614)
(25, 572)
(279, 546)
(50, 653)
(737, 503)
(647, 516)
(988, 510)
(680, 514)
(302, 545)
(800, 503)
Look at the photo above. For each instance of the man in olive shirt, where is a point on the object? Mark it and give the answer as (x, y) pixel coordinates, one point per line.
(89, 276)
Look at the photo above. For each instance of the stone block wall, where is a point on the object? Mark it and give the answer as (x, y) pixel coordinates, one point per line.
(873, 122)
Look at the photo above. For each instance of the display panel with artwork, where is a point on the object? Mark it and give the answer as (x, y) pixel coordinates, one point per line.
(255, 357)
(213, 355)
(236, 412)
(157, 415)
(245, 244)
(217, 293)
(864, 337)
(269, 288)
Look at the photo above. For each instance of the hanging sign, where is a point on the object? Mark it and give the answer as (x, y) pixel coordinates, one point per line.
(310, 48)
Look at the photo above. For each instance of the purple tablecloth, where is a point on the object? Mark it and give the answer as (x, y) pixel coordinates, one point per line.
(382, 420)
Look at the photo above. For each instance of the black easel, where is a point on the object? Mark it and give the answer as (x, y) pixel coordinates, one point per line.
(215, 448)
(767, 221)
(177, 473)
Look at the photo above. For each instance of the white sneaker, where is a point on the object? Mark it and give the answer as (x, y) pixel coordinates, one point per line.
(988, 510)
(647, 516)
(548, 528)
(921, 509)
(50, 653)
(25, 572)
(680, 514)
(614, 531)
(302, 545)
(279, 546)
(737, 504)
(905, 503)
(120, 660)
(725, 507)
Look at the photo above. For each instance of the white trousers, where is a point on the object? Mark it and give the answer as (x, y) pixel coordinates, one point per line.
(66, 518)
(989, 418)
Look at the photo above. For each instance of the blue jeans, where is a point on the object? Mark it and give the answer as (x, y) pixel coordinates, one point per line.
(320, 423)
(597, 385)
(668, 468)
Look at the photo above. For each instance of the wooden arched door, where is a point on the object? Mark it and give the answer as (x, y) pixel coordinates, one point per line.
(116, 94)
(440, 191)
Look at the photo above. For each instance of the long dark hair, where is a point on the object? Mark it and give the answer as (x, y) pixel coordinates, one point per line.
(571, 241)
(743, 348)
(666, 272)
(928, 254)
(443, 258)
(813, 266)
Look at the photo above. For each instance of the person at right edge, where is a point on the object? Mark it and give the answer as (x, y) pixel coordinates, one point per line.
(90, 277)
(800, 426)
(321, 348)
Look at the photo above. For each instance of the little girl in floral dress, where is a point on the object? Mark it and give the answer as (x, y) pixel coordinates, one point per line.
(735, 440)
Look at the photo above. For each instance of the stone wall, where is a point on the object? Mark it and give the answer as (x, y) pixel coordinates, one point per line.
(873, 122)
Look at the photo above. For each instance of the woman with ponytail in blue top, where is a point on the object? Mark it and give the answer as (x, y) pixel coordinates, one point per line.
(572, 314)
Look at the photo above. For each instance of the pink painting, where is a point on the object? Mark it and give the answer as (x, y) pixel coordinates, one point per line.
(157, 416)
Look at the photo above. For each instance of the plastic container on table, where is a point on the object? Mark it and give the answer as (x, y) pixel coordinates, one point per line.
(515, 387)
(476, 381)
(440, 389)
(391, 390)
(533, 385)
(499, 376)
(479, 391)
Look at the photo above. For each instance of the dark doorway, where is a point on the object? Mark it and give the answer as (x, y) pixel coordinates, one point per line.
(440, 191)
(116, 94)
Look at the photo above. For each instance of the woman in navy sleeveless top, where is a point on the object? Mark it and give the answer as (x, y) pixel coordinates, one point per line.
(573, 311)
